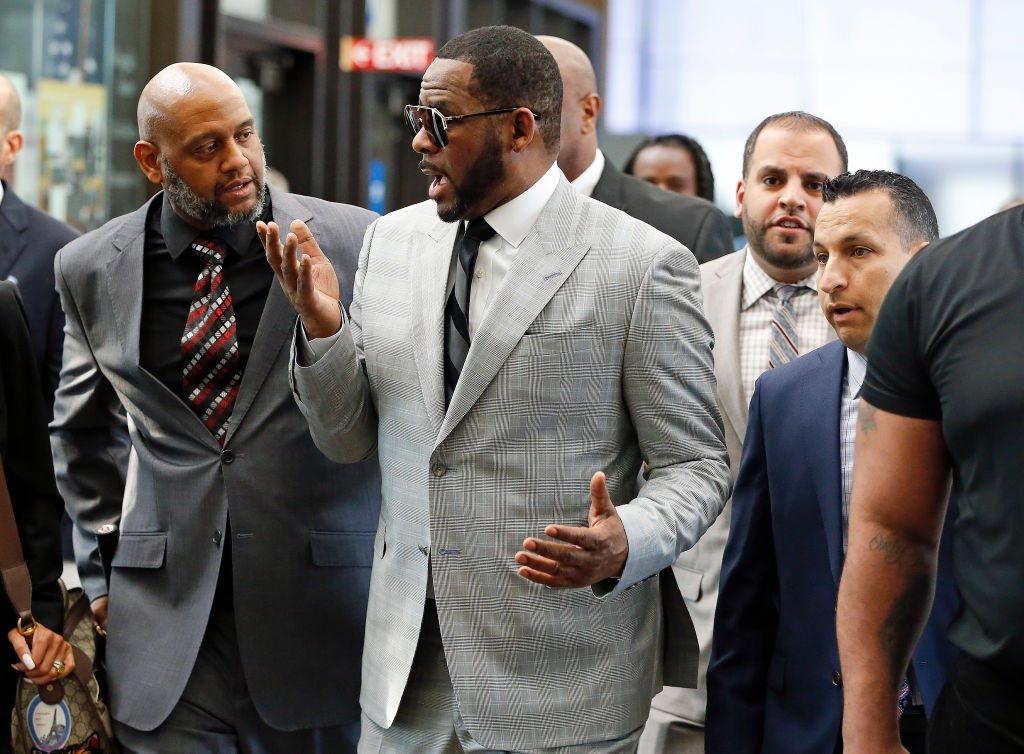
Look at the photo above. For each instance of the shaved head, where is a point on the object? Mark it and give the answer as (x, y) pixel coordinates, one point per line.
(158, 103)
(10, 106)
(580, 106)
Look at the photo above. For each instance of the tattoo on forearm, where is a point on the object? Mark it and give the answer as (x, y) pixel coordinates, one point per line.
(866, 417)
(894, 549)
(897, 633)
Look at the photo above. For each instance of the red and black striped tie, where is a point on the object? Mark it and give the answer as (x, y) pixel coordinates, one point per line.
(211, 368)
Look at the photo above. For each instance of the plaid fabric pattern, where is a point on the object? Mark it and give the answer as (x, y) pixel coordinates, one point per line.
(757, 307)
(209, 346)
(594, 354)
(856, 367)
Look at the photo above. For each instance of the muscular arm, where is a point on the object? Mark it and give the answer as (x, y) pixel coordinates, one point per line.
(899, 500)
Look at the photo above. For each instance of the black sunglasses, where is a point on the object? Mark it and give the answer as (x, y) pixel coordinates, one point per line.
(436, 123)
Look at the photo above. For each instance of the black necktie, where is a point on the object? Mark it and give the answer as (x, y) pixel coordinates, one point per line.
(467, 245)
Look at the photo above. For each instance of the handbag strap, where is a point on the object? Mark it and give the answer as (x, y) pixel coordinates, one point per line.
(16, 578)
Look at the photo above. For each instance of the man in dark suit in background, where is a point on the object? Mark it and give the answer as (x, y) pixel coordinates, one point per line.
(29, 239)
(698, 225)
(774, 685)
(242, 547)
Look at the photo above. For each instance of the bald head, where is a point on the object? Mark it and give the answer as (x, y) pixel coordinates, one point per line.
(580, 106)
(10, 106)
(160, 99)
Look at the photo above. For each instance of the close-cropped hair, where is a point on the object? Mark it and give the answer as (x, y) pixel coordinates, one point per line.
(796, 120)
(705, 178)
(512, 69)
(913, 214)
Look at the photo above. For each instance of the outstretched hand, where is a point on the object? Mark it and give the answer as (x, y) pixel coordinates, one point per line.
(310, 284)
(584, 555)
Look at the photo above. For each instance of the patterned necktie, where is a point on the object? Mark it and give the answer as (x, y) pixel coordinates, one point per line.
(784, 345)
(457, 310)
(209, 345)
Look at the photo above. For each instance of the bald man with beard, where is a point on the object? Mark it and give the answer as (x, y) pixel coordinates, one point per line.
(237, 597)
(697, 224)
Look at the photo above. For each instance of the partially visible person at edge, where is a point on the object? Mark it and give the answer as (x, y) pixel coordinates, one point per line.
(942, 403)
(698, 225)
(673, 162)
(45, 656)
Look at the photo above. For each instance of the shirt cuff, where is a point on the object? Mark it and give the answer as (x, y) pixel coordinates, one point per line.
(309, 352)
(640, 565)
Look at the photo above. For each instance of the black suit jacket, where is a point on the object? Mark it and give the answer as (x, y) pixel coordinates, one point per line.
(25, 448)
(29, 240)
(697, 224)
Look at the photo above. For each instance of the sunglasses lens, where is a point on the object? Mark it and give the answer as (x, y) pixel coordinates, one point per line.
(412, 120)
(440, 128)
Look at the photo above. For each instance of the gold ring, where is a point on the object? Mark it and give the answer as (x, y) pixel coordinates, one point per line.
(58, 667)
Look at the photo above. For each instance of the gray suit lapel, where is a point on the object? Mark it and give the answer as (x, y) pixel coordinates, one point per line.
(277, 321)
(429, 266)
(723, 307)
(549, 253)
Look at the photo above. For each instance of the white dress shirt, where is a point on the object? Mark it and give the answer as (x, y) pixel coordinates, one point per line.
(853, 380)
(586, 181)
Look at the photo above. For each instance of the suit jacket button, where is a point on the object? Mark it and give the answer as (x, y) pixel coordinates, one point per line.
(837, 678)
(439, 469)
(423, 549)
(217, 536)
(227, 456)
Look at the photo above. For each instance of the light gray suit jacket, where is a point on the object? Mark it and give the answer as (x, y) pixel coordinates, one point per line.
(301, 526)
(595, 355)
(698, 571)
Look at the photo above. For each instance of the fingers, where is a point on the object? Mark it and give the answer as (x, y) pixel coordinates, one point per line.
(51, 657)
(304, 239)
(21, 648)
(557, 565)
(99, 610)
(601, 505)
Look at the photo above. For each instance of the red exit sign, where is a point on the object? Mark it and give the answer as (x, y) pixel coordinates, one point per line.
(405, 55)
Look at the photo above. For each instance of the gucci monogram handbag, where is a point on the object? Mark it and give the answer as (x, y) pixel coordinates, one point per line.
(67, 716)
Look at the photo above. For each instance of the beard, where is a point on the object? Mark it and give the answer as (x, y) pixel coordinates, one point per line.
(205, 211)
(783, 259)
(483, 175)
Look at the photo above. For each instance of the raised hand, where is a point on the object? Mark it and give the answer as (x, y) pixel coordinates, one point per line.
(584, 555)
(310, 284)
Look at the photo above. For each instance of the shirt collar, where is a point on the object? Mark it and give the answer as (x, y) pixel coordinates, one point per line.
(179, 235)
(514, 219)
(586, 181)
(757, 282)
(856, 368)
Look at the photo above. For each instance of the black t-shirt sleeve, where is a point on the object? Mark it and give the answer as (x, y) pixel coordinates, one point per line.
(897, 379)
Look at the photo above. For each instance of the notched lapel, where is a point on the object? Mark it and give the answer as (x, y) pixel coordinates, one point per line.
(823, 399)
(12, 244)
(722, 303)
(548, 255)
(276, 325)
(430, 263)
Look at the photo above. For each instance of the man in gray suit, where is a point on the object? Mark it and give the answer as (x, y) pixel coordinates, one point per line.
(697, 224)
(762, 306)
(238, 591)
(511, 605)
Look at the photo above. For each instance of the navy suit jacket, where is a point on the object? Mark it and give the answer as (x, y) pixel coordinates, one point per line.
(29, 240)
(774, 682)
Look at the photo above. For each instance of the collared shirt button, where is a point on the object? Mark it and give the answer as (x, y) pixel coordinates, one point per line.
(479, 274)
(423, 549)
(217, 537)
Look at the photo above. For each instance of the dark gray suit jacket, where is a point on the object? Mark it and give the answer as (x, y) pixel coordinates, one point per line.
(29, 240)
(302, 527)
(697, 224)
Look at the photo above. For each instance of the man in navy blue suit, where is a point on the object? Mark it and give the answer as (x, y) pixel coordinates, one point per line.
(774, 683)
(29, 240)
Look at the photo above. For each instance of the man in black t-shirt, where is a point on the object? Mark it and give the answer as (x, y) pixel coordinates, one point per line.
(944, 395)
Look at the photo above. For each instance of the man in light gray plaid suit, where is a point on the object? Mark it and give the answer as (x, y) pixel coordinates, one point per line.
(512, 605)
